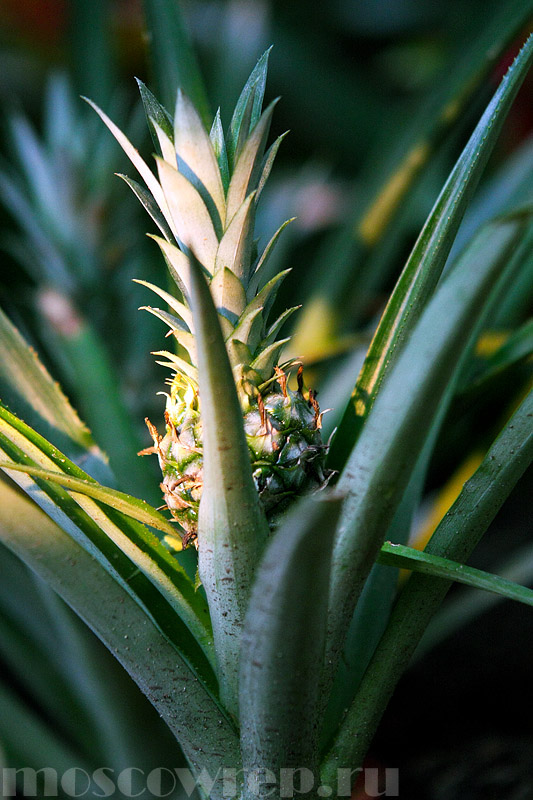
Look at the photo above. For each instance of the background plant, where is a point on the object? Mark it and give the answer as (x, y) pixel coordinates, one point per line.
(373, 255)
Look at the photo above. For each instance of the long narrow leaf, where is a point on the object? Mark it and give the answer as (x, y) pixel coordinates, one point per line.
(22, 374)
(131, 506)
(397, 555)
(253, 91)
(392, 439)
(119, 543)
(205, 735)
(425, 264)
(455, 539)
(174, 62)
(232, 528)
(283, 642)
(392, 179)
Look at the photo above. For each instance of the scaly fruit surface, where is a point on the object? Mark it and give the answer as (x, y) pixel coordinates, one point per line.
(204, 202)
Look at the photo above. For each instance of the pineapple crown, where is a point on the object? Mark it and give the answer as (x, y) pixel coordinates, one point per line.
(204, 202)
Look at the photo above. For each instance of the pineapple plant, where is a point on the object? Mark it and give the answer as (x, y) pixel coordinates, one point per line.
(241, 442)
(204, 205)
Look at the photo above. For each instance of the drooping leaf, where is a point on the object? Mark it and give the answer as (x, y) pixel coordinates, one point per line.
(397, 555)
(131, 506)
(127, 630)
(120, 544)
(455, 539)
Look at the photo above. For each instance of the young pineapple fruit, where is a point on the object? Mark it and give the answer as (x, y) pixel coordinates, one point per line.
(204, 202)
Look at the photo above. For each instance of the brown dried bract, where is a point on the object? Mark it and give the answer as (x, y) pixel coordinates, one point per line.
(156, 436)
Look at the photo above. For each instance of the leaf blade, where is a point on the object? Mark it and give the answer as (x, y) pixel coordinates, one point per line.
(232, 527)
(455, 538)
(146, 654)
(424, 266)
(280, 693)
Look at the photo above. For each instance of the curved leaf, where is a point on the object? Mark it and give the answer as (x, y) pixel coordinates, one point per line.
(205, 735)
(425, 264)
(120, 544)
(125, 503)
(144, 171)
(455, 538)
(392, 439)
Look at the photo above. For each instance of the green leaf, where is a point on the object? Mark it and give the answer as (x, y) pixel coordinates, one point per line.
(247, 170)
(393, 179)
(120, 544)
(397, 555)
(100, 399)
(219, 146)
(131, 506)
(22, 372)
(446, 102)
(268, 163)
(140, 165)
(148, 204)
(232, 528)
(386, 452)
(455, 539)
(258, 278)
(177, 306)
(267, 358)
(235, 248)
(155, 112)
(174, 62)
(248, 331)
(283, 644)
(468, 605)
(251, 96)
(517, 348)
(196, 156)
(424, 266)
(191, 217)
(127, 630)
